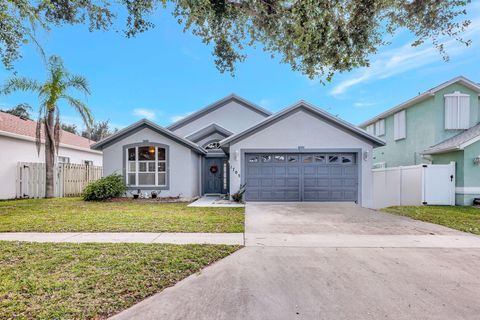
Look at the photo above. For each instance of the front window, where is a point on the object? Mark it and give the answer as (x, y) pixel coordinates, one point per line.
(146, 166)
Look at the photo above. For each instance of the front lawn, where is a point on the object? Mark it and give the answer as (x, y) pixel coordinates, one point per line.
(76, 215)
(91, 281)
(461, 218)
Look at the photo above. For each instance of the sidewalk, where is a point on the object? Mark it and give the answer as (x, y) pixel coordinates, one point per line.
(130, 237)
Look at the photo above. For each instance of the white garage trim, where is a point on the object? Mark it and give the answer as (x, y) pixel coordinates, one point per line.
(300, 150)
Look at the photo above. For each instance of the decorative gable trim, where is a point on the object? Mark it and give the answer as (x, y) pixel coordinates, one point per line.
(304, 106)
(139, 125)
(216, 105)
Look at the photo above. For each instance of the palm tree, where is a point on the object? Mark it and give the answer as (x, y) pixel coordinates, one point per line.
(56, 88)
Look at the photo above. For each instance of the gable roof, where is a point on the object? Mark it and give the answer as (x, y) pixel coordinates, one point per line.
(208, 130)
(303, 105)
(14, 126)
(144, 123)
(214, 106)
(423, 96)
(458, 142)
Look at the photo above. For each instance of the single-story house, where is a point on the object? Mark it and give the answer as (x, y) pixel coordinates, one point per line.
(17, 144)
(301, 153)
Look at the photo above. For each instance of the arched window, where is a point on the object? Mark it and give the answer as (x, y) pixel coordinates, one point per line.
(146, 166)
(214, 145)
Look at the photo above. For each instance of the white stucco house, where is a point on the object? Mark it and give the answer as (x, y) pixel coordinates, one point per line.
(17, 144)
(301, 153)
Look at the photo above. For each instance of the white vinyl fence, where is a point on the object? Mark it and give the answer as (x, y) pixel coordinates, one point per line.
(70, 179)
(427, 184)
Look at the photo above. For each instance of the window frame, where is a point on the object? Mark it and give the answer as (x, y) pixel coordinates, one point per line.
(380, 128)
(400, 133)
(126, 166)
(458, 108)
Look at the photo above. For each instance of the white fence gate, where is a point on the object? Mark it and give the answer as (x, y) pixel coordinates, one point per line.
(427, 184)
(69, 179)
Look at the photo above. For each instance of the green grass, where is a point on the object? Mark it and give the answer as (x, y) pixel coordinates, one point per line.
(75, 215)
(91, 281)
(461, 218)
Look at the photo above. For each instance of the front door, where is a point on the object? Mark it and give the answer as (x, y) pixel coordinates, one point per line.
(216, 175)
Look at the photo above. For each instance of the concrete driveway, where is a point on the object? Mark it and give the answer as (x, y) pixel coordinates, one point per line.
(330, 261)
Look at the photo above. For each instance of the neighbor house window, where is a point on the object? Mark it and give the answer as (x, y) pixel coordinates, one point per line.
(146, 166)
(88, 162)
(380, 127)
(457, 111)
(63, 159)
(399, 125)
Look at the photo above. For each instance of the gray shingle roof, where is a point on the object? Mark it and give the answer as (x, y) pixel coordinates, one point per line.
(457, 142)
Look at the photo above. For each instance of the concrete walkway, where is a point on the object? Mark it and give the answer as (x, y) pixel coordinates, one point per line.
(330, 261)
(127, 237)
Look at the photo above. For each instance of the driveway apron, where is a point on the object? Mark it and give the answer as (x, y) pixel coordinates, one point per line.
(330, 261)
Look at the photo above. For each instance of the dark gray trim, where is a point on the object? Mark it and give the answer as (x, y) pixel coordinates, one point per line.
(167, 161)
(302, 149)
(207, 131)
(142, 124)
(318, 113)
(218, 104)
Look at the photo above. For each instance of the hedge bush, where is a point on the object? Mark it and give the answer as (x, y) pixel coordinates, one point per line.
(111, 186)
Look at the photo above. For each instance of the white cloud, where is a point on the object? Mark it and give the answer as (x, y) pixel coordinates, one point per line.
(145, 113)
(179, 117)
(362, 104)
(405, 58)
(265, 103)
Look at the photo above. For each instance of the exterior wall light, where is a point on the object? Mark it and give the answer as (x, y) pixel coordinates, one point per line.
(476, 160)
(237, 153)
(365, 155)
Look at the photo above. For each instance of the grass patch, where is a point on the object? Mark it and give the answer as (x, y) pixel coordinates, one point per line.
(461, 218)
(76, 215)
(90, 280)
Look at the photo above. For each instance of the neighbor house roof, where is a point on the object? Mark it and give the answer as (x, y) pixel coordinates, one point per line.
(458, 142)
(144, 123)
(423, 96)
(207, 131)
(17, 127)
(303, 105)
(216, 105)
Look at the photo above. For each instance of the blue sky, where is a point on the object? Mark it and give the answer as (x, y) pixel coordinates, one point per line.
(165, 74)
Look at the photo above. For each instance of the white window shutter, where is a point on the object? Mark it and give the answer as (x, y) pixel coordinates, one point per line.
(457, 111)
(381, 127)
(371, 129)
(451, 112)
(464, 112)
(399, 125)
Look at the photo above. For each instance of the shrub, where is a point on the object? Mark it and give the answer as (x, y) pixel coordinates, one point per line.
(111, 186)
(238, 196)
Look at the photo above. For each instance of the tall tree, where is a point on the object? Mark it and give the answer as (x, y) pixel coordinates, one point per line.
(99, 130)
(69, 128)
(56, 88)
(21, 110)
(317, 38)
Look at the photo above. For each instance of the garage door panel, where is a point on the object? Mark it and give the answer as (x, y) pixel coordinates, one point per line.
(310, 182)
(306, 177)
(280, 170)
(267, 170)
(293, 182)
(293, 170)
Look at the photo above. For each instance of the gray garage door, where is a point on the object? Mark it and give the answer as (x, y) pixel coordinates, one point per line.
(301, 177)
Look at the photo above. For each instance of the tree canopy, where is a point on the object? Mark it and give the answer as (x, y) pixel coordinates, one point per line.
(317, 38)
(21, 110)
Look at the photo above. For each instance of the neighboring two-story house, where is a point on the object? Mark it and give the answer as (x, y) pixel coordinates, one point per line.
(438, 126)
